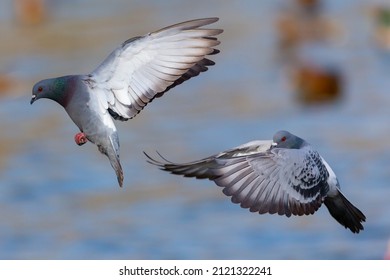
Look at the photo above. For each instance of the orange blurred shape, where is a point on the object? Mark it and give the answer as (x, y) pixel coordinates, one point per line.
(382, 29)
(30, 12)
(5, 84)
(317, 84)
(289, 31)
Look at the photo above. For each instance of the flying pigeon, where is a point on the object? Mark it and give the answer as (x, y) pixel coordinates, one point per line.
(285, 176)
(139, 70)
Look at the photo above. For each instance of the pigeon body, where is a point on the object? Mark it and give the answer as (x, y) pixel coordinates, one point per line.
(285, 176)
(141, 69)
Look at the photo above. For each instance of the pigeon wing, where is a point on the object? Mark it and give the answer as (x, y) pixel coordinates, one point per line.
(145, 67)
(284, 181)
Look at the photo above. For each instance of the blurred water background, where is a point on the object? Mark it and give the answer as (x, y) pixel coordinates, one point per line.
(321, 72)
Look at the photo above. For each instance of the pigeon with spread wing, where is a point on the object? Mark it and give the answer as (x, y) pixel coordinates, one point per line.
(285, 176)
(135, 73)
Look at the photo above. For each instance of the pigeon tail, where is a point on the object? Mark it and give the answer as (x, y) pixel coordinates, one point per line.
(345, 213)
(115, 163)
(113, 156)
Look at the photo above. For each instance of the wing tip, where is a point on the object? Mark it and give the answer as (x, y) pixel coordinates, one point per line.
(190, 24)
(156, 162)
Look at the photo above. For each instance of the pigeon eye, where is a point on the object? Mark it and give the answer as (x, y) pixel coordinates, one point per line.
(283, 139)
(40, 89)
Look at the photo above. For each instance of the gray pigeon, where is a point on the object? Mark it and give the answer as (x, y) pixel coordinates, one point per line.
(284, 176)
(135, 73)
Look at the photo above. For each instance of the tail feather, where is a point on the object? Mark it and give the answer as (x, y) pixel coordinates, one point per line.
(115, 163)
(113, 155)
(345, 213)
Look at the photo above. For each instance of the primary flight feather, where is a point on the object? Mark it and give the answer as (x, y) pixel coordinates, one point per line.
(135, 73)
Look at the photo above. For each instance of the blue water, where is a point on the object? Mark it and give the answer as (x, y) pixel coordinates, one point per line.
(61, 201)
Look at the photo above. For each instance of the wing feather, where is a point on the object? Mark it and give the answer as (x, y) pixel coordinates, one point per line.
(145, 67)
(265, 181)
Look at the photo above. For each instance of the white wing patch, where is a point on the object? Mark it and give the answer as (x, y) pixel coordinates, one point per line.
(145, 67)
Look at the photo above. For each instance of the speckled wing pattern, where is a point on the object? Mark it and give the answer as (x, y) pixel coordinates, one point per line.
(145, 67)
(284, 181)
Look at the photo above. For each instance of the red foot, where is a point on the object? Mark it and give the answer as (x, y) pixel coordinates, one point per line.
(80, 138)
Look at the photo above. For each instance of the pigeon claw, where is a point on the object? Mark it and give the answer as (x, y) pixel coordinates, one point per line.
(80, 138)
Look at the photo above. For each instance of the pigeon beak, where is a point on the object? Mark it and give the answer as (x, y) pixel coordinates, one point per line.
(34, 97)
(274, 144)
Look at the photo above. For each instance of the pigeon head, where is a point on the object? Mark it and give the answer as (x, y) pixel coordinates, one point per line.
(54, 89)
(284, 139)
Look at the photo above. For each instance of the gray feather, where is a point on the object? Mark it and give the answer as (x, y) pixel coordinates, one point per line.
(288, 178)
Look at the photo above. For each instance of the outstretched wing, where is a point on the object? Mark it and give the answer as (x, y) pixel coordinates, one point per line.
(145, 67)
(284, 181)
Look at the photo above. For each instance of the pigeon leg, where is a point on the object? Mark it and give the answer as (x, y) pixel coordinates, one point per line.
(80, 138)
